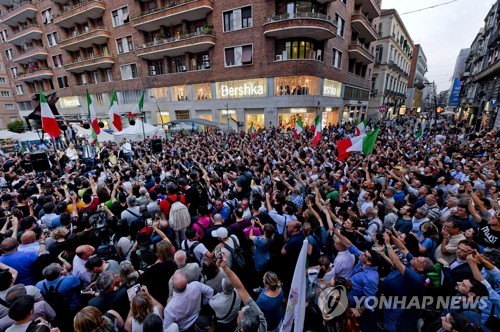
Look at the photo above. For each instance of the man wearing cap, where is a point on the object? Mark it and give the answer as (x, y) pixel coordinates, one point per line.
(132, 212)
(231, 241)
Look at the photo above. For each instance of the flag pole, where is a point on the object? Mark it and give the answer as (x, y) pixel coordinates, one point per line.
(57, 157)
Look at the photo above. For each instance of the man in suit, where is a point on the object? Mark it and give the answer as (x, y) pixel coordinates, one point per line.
(458, 270)
(88, 154)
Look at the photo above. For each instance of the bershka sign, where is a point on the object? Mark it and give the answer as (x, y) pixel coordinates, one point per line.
(331, 88)
(242, 89)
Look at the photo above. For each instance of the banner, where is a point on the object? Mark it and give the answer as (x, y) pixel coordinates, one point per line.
(455, 92)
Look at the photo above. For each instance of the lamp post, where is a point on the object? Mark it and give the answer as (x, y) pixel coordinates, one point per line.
(159, 112)
(227, 114)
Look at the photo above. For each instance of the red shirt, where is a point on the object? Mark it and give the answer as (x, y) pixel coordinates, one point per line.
(165, 204)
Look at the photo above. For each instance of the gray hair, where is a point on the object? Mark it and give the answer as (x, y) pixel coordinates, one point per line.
(227, 286)
(454, 200)
(143, 191)
(131, 200)
(128, 275)
(250, 320)
(15, 292)
(52, 271)
(180, 258)
(105, 281)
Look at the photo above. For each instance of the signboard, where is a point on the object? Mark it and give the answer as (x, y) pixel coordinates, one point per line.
(68, 102)
(382, 109)
(331, 88)
(241, 89)
(455, 92)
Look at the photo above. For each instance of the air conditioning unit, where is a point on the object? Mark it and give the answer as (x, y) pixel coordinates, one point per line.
(319, 55)
(152, 70)
(278, 57)
(182, 68)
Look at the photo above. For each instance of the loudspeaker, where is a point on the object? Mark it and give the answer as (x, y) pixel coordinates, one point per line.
(40, 161)
(156, 146)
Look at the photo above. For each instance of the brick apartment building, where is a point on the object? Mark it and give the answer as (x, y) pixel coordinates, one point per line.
(248, 62)
(8, 108)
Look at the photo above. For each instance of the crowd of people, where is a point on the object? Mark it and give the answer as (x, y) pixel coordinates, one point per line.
(205, 235)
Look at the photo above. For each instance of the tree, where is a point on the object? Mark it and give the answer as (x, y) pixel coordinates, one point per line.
(17, 126)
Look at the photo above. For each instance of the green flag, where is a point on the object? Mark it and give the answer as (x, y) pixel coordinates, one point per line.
(419, 134)
(370, 140)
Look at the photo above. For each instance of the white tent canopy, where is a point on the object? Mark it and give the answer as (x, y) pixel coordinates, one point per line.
(87, 133)
(183, 126)
(30, 136)
(6, 134)
(135, 133)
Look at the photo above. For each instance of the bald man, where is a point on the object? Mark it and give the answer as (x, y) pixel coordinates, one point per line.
(190, 270)
(83, 254)
(29, 243)
(185, 305)
(20, 261)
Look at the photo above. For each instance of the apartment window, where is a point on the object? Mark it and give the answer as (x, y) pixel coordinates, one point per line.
(340, 25)
(19, 89)
(9, 107)
(124, 44)
(120, 16)
(238, 56)
(62, 82)
(156, 68)
(3, 80)
(98, 98)
(14, 71)
(52, 38)
(128, 72)
(129, 96)
(237, 19)
(109, 75)
(301, 49)
(95, 77)
(8, 53)
(5, 93)
(58, 60)
(83, 79)
(25, 106)
(47, 16)
(3, 35)
(337, 58)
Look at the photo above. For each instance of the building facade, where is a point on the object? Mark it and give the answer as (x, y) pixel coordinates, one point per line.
(416, 80)
(393, 56)
(259, 63)
(8, 107)
(481, 89)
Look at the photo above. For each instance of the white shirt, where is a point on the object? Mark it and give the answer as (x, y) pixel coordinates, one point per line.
(199, 251)
(343, 263)
(416, 223)
(30, 247)
(81, 272)
(126, 147)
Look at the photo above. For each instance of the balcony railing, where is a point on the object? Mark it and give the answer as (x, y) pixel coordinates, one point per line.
(18, 5)
(28, 49)
(309, 15)
(78, 34)
(158, 9)
(83, 59)
(161, 41)
(33, 71)
(25, 27)
(80, 4)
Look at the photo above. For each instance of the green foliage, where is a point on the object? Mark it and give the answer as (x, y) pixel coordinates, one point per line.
(17, 126)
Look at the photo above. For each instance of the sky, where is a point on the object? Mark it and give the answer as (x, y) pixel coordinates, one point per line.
(442, 31)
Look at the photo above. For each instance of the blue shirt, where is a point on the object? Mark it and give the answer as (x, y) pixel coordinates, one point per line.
(262, 253)
(69, 288)
(22, 263)
(225, 212)
(364, 279)
(407, 284)
(271, 307)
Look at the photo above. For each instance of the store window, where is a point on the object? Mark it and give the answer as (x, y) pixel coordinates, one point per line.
(179, 93)
(160, 94)
(296, 85)
(202, 91)
(255, 120)
(205, 115)
(182, 115)
(227, 114)
(330, 116)
(289, 116)
(163, 117)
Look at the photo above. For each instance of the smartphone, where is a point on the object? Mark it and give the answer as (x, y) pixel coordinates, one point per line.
(149, 222)
(132, 291)
(218, 254)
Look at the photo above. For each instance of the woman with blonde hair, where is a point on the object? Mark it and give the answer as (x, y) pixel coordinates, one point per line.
(270, 299)
(141, 306)
(90, 319)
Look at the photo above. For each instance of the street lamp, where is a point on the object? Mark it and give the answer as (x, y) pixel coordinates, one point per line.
(159, 112)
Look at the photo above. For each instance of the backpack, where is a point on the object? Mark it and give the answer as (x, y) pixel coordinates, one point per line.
(379, 226)
(54, 298)
(237, 254)
(191, 257)
(107, 252)
(179, 216)
(138, 218)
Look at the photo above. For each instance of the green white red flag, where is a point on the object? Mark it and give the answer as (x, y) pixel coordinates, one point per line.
(93, 116)
(49, 122)
(299, 128)
(317, 130)
(114, 113)
(362, 143)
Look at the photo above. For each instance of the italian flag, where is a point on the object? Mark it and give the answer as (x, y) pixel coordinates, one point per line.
(93, 117)
(138, 108)
(362, 143)
(316, 128)
(251, 131)
(114, 113)
(49, 123)
(361, 127)
(419, 134)
(299, 128)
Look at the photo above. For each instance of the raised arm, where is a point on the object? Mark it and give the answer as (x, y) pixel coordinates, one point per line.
(235, 281)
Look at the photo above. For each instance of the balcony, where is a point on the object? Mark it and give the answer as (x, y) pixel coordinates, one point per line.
(313, 25)
(19, 13)
(488, 72)
(358, 52)
(25, 34)
(80, 13)
(97, 36)
(30, 55)
(172, 14)
(371, 7)
(36, 75)
(366, 31)
(90, 64)
(172, 47)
